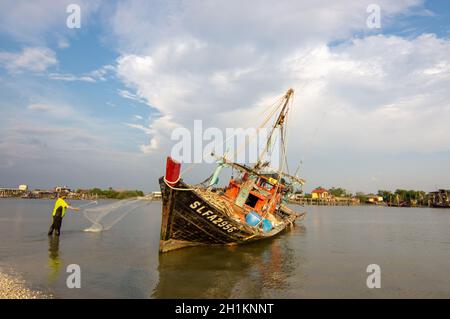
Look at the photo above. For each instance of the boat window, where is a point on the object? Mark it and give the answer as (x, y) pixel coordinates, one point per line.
(251, 200)
(266, 185)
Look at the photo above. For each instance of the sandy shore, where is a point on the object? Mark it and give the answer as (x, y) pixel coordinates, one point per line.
(13, 287)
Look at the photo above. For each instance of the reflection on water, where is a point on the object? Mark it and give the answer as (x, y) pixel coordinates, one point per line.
(327, 258)
(226, 272)
(54, 260)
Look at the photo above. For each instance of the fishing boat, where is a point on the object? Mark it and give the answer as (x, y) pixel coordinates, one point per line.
(252, 207)
(439, 199)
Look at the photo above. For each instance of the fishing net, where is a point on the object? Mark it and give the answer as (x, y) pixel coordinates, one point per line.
(104, 217)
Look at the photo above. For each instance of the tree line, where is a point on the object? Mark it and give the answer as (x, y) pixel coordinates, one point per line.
(111, 193)
(402, 195)
(399, 195)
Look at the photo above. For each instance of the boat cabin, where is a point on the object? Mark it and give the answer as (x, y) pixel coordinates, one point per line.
(253, 193)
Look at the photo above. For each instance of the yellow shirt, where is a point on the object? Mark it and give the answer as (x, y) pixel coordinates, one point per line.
(60, 203)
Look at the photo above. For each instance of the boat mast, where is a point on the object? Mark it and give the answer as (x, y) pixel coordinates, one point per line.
(278, 123)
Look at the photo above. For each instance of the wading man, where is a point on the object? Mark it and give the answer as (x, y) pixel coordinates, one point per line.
(58, 213)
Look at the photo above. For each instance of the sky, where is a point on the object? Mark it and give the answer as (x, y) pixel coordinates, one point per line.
(95, 106)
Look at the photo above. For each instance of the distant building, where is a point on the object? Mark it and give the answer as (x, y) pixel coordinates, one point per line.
(374, 199)
(13, 192)
(62, 189)
(320, 193)
(43, 193)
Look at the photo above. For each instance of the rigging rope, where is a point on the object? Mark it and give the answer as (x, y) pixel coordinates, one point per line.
(263, 124)
(276, 105)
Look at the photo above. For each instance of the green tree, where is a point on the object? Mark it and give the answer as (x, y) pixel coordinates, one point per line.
(387, 195)
(402, 194)
(361, 196)
(96, 191)
(338, 192)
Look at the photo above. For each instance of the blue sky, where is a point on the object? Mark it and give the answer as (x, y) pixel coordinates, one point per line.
(95, 106)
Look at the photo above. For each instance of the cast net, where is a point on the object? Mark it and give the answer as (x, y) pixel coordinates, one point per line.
(104, 217)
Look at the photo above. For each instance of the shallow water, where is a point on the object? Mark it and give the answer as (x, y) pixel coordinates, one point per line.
(325, 256)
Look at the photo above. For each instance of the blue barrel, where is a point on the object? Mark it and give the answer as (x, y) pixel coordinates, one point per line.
(253, 218)
(266, 225)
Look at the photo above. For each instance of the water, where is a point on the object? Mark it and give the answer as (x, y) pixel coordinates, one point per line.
(324, 257)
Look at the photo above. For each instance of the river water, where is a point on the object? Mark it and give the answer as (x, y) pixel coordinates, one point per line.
(325, 256)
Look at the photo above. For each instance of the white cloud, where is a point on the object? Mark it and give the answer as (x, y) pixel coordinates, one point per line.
(131, 96)
(223, 61)
(376, 94)
(34, 59)
(144, 129)
(201, 63)
(101, 74)
(160, 129)
(161, 126)
(274, 24)
(70, 77)
(151, 147)
(63, 43)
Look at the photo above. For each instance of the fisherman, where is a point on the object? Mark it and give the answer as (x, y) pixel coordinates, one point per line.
(58, 213)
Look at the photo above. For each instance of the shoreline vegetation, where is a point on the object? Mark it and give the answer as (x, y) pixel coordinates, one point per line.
(82, 194)
(397, 198)
(111, 193)
(14, 287)
(318, 196)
